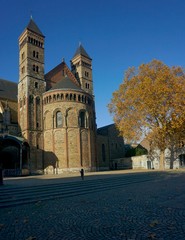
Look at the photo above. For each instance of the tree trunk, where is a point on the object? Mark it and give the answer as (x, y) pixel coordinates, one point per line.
(162, 158)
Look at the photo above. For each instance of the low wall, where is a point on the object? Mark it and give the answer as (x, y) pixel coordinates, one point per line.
(141, 162)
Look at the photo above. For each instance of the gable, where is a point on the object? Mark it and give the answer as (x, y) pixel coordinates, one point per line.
(58, 74)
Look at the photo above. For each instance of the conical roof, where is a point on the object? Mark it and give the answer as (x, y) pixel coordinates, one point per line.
(34, 28)
(81, 51)
(66, 83)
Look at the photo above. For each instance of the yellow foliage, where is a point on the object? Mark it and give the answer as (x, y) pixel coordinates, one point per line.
(151, 102)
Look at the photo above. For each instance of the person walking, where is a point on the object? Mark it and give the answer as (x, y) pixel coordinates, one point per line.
(82, 173)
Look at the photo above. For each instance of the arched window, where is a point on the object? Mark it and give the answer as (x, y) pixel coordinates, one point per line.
(38, 100)
(31, 99)
(36, 84)
(58, 119)
(82, 121)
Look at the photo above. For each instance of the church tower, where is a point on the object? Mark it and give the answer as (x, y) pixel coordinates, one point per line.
(30, 89)
(81, 66)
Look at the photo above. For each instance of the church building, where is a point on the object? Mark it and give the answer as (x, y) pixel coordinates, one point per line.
(48, 120)
(56, 110)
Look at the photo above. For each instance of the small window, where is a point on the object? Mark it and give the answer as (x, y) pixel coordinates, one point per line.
(86, 74)
(37, 54)
(34, 68)
(37, 69)
(82, 119)
(58, 119)
(33, 53)
(23, 69)
(30, 99)
(38, 100)
(23, 55)
(36, 84)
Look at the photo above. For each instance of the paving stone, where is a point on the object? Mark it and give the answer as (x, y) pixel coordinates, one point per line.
(137, 211)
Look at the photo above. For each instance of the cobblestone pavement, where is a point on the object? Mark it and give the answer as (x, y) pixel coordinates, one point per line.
(148, 210)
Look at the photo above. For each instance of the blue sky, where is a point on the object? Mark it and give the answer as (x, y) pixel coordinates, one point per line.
(117, 34)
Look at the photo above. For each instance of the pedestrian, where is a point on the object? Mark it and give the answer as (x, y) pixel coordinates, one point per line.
(82, 173)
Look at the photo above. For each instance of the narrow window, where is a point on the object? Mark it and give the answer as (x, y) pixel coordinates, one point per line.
(37, 54)
(23, 54)
(31, 99)
(58, 119)
(38, 100)
(36, 84)
(33, 53)
(34, 68)
(103, 152)
(23, 69)
(82, 119)
(86, 74)
(37, 69)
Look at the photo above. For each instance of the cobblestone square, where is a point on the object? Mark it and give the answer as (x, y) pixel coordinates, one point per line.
(154, 209)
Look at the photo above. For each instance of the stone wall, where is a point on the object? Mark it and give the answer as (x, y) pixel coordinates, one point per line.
(109, 142)
(70, 146)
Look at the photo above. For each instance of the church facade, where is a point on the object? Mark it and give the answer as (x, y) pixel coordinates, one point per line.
(56, 110)
(48, 120)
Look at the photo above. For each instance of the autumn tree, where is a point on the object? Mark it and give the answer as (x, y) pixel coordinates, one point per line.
(150, 103)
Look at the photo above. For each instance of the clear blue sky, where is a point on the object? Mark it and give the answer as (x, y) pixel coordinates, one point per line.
(117, 34)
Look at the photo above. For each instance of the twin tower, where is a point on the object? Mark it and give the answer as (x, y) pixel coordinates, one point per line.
(56, 110)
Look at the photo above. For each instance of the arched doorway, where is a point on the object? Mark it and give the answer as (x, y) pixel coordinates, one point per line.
(14, 156)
